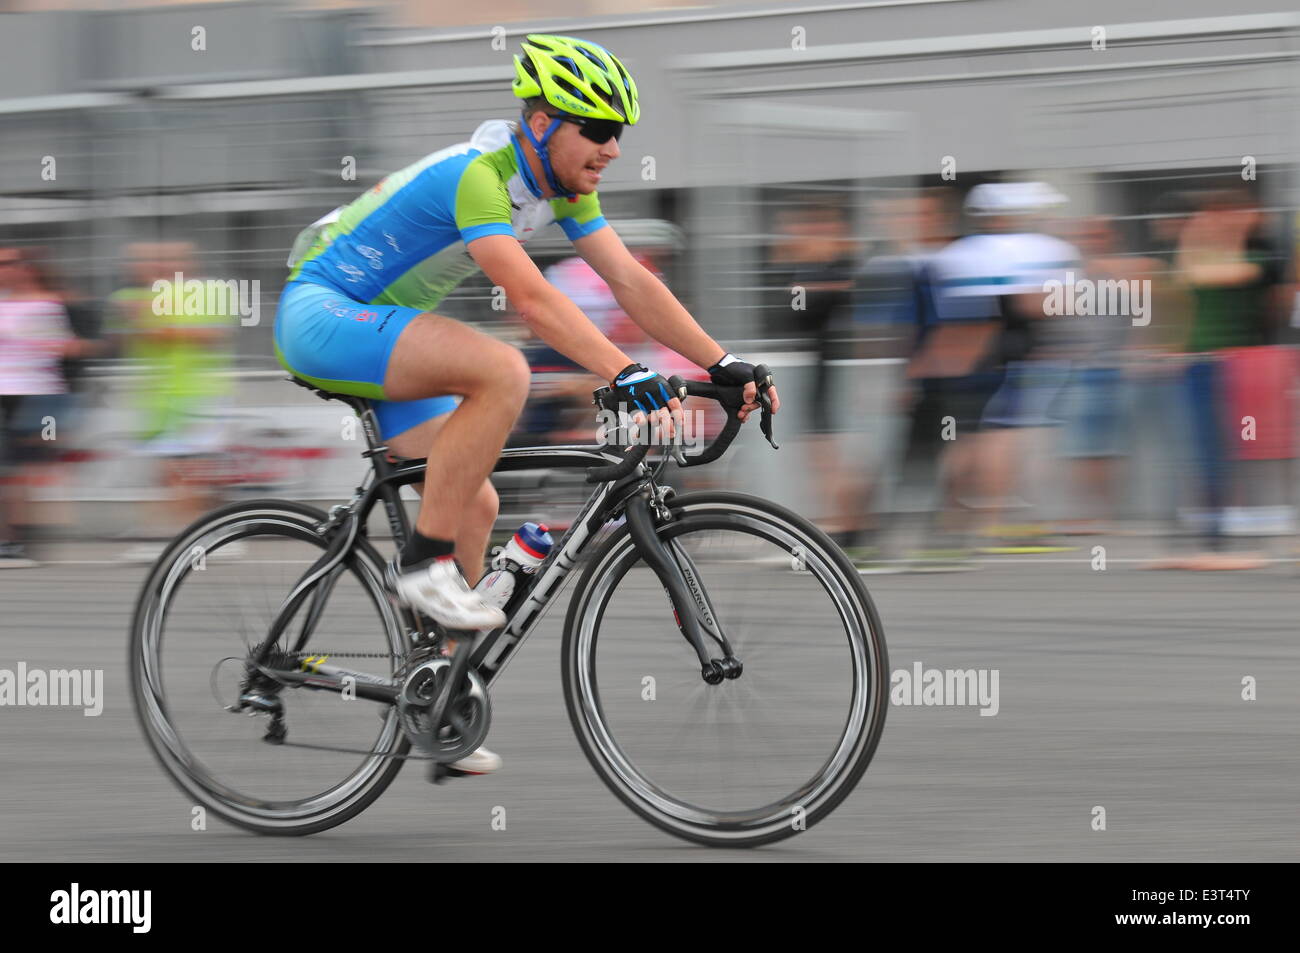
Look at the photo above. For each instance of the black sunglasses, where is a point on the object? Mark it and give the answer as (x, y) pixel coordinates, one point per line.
(597, 130)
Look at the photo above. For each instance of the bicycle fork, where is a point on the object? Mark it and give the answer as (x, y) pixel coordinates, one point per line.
(681, 581)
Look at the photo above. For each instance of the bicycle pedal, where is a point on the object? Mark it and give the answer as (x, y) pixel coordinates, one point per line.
(440, 773)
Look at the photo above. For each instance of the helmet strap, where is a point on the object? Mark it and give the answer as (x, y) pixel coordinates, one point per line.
(544, 154)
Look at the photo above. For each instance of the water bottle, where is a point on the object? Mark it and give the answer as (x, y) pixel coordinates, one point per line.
(519, 557)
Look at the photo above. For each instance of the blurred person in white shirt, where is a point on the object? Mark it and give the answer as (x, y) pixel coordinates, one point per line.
(998, 276)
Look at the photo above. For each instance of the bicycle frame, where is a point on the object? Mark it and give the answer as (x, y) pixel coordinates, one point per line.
(635, 494)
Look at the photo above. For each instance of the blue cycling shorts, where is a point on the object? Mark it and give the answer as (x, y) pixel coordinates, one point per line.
(341, 345)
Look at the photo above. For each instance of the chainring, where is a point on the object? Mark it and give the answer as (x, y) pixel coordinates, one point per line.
(467, 718)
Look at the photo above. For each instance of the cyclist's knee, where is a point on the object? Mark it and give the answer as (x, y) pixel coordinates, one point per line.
(514, 375)
(485, 505)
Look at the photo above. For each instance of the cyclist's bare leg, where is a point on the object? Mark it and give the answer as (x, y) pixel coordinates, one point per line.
(436, 355)
(481, 514)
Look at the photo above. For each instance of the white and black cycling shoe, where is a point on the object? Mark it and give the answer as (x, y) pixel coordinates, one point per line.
(439, 590)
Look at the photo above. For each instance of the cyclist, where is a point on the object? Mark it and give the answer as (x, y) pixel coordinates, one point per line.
(356, 316)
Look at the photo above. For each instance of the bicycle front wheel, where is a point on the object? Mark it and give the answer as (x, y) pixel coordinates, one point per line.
(750, 760)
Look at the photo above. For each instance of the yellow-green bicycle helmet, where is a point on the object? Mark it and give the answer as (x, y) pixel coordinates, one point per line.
(576, 76)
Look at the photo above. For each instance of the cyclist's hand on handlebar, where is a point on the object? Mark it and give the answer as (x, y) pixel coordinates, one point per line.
(646, 396)
(731, 371)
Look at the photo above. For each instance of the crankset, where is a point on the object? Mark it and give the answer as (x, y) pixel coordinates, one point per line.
(443, 724)
(465, 717)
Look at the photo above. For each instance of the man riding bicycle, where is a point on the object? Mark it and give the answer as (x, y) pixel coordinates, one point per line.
(356, 315)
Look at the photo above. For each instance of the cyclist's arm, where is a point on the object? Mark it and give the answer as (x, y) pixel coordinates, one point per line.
(546, 310)
(646, 299)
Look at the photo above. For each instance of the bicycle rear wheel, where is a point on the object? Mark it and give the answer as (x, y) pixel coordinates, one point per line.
(750, 760)
(208, 600)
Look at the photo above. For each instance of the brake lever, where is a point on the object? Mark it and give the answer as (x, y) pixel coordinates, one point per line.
(765, 423)
(763, 377)
(679, 388)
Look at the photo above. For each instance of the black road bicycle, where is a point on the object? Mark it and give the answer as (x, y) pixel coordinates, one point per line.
(723, 666)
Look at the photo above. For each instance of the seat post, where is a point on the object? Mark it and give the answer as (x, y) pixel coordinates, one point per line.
(361, 406)
(370, 427)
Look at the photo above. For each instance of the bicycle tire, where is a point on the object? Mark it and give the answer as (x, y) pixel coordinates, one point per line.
(592, 595)
(150, 705)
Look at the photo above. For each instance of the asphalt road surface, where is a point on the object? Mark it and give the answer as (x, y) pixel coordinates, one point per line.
(1119, 690)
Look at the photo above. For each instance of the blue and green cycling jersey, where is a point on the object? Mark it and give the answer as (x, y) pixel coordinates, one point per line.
(403, 242)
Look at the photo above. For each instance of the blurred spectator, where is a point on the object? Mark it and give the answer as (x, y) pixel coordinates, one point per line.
(181, 393)
(993, 289)
(35, 339)
(1096, 400)
(900, 290)
(816, 247)
(1234, 279)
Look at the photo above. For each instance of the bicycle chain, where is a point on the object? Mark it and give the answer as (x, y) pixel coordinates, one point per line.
(388, 755)
(322, 654)
(401, 661)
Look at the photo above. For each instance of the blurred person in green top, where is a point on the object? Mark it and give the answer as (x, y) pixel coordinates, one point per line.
(1233, 278)
(181, 353)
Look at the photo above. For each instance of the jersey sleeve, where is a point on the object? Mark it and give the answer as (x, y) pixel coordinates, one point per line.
(580, 216)
(482, 203)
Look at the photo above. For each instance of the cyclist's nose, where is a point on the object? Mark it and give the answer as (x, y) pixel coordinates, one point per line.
(610, 149)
